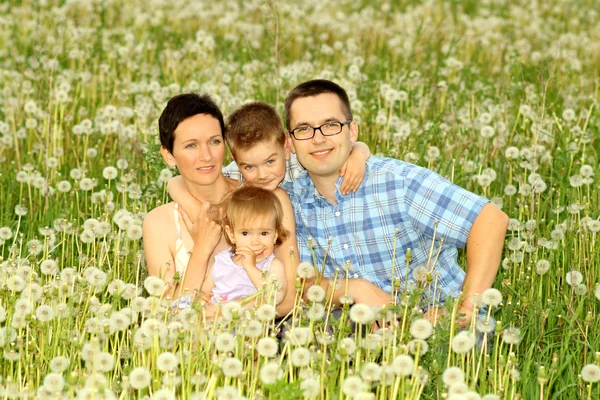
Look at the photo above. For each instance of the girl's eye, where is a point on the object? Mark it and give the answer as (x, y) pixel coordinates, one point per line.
(244, 233)
(265, 233)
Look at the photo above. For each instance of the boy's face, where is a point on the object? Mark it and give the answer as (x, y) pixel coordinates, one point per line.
(263, 165)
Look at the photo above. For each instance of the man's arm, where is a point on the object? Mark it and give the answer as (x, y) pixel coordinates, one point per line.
(484, 252)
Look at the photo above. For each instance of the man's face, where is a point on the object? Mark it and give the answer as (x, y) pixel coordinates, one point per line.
(321, 156)
(198, 149)
(263, 164)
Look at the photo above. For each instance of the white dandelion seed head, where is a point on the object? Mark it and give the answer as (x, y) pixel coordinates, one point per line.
(310, 388)
(300, 357)
(580, 289)
(353, 386)
(347, 346)
(362, 314)
(225, 342)
(371, 372)
(418, 346)
(453, 375)
(421, 329)
(44, 313)
(315, 293)
(492, 297)
(232, 367)
(267, 347)
(167, 362)
(140, 378)
(463, 342)
(511, 335)
(266, 312)
(574, 278)
(231, 310)
(305, 270)
(316, 312)
(299, 336)
(270, 373)
(59, 364)
(590, 373)
(597, 291)
(54, 382)
(155, 286)
(163, 394)
(403, 365)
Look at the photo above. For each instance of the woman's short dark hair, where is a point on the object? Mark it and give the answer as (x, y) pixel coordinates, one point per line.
(182, 107)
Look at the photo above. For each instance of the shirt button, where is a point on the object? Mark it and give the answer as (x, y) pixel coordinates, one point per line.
(337, 213)
(346, 246)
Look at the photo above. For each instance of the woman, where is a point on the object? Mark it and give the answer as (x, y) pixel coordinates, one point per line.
(191, 134)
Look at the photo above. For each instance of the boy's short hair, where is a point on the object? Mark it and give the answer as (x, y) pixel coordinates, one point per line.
(253, 123)
(251, 202)
(315, 88)
(181, 107)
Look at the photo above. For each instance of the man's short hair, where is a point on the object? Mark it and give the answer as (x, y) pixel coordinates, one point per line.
(253, 123)
(315, 88)
(182, 107)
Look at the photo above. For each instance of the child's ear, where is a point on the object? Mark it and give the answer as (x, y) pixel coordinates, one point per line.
(229, 234)
(275, 238)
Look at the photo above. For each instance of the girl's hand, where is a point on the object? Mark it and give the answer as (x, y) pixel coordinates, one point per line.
(205, 230)
(246, 257)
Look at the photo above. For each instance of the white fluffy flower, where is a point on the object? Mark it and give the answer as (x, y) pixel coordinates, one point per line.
(305, 270)
(225, 342)
(54, 382)
(361, 314)
(300, 357)
(167, 362)
(463, 342)
(270, 373)
(267, 347)
(353, 386)
(491, 297)
(266, 312)
(59, 364)
(421, 329)
(574, 278)
(232, 367)
(315, 293)
(155, 286)
(403, 365)
(452, 376)
(590, 373)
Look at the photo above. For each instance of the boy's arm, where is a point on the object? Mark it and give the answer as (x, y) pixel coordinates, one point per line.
(361, 290)
(180, 195)
(353, 169)
(277, 270)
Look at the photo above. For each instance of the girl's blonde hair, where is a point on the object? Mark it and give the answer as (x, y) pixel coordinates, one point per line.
(251, 202)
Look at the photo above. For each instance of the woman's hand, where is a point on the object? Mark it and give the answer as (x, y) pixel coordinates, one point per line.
(206, 229)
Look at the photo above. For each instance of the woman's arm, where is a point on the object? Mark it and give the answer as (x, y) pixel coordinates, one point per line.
(277, 271)
(287, 253)
(159, 259)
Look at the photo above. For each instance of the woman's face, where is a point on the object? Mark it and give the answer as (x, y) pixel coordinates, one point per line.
(198, 149)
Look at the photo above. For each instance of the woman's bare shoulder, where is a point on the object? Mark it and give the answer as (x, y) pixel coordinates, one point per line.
(160, 215)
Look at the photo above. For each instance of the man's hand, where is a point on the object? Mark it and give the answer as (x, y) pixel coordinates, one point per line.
(205, 230)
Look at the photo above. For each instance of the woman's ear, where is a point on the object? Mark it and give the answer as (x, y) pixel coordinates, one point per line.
(168, 157)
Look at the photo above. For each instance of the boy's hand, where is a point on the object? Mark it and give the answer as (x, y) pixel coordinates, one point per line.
(353, 172)
(246, 257)
(205, 230)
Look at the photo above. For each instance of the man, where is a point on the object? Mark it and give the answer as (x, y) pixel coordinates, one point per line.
(397, 207)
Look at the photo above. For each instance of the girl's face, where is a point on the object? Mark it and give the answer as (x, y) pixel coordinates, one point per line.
(258, 234)
(198, 149)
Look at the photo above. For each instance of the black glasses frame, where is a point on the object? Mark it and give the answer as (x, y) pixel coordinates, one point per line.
(318, 128)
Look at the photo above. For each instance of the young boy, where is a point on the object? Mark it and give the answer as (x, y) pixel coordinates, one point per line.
(257, 141)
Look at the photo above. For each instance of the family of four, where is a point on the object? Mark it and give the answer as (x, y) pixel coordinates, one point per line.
(309, 193)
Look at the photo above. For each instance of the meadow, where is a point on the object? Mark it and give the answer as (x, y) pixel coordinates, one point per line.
(499, 96)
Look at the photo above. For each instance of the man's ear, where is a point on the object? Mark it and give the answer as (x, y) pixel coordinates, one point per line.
(353, 131)
(168, 157)
(229, 234)
(289, 143)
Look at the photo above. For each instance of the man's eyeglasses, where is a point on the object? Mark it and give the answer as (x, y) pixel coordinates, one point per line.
(331, 128)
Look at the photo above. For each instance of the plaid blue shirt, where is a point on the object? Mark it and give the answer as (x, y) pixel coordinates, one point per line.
(430, 215)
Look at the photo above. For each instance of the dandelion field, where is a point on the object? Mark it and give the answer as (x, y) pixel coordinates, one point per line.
(499, 96)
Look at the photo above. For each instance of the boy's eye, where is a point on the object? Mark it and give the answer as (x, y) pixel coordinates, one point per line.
(248, 167)
(271, 162)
